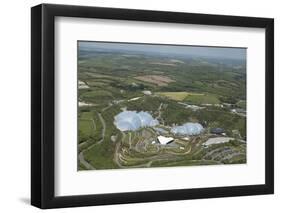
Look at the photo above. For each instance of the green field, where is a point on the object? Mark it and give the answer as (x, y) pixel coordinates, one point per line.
(179, 96)
(192, 97)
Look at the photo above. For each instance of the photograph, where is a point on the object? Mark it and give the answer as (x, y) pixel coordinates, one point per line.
(160, 105)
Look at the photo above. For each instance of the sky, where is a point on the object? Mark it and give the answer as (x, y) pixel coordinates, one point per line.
(199, 51)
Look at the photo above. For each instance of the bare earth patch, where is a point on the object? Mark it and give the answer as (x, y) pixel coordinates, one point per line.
(159, 80)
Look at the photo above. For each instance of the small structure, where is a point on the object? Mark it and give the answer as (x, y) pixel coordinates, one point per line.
(239, 111)
(190, 106)
(217, 131)
(84, 104)
(164, 140)
(185, 138)
(134, 99)
(147, 92)
(82, 85)
(217, 140)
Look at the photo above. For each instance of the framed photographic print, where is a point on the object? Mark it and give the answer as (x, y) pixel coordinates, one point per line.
(140, 106)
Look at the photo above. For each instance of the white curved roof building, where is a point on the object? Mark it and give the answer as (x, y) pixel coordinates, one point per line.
(164, 140)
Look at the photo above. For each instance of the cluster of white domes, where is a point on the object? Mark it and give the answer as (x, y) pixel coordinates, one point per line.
(132, 120)
(188, 129)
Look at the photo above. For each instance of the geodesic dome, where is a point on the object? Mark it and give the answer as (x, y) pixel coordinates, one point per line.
(188, 129)
(132, 120)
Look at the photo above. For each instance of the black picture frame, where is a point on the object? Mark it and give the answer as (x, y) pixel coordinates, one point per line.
(43, 102)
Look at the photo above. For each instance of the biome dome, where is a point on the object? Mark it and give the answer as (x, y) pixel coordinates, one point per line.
(188, 129)
(132, 120)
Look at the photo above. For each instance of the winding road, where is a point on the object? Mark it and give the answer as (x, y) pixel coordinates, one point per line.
(84, 162)
(81, 154)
